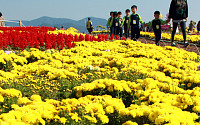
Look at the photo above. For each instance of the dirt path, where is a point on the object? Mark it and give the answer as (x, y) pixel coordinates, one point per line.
(190, 48)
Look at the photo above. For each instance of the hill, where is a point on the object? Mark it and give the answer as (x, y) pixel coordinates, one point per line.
(65, 22)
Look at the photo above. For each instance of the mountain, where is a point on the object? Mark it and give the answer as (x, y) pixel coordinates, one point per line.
(95, 21)
(65, 22)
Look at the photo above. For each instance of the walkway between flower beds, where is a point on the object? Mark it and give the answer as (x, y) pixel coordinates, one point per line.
(190, 48)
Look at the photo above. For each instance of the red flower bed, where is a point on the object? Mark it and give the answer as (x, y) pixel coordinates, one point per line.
(38, 37)
(28, 29)
(24, 37)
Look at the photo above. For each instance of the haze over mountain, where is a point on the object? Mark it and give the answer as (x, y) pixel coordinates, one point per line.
(65, 22)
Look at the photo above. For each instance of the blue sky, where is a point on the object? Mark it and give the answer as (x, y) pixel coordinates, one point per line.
(78, 9)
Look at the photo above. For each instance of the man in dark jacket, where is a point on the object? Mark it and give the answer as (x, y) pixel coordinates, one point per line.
(178, 12)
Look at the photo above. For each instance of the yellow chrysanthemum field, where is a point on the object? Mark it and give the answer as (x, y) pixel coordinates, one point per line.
(108, 82)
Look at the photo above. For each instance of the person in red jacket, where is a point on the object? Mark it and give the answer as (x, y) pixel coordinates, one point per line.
(198, 26)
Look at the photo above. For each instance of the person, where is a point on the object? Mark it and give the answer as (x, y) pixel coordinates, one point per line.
(89, 26)
(191, 26)
(178, 12)
(198, 26)
(143, 27)
(198, 68)
(133, 22)
(2, 22)
(115, 23)
(125, 20)
(121, 22)
(156, 25)
(62, 28)
(108, 23)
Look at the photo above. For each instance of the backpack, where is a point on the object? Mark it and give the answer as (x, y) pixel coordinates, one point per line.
(180, 6)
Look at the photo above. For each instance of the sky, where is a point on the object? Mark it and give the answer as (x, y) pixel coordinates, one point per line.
(79, 9)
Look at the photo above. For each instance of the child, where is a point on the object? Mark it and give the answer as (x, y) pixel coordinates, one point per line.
(156, 25)
(120, 24)
(115, 23)
(108, 23)
(125, 20)
(133, 22)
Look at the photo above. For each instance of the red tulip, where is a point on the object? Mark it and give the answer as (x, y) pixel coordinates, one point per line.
(111, 37)
(103, 37)
(99, 38)
(76, 38)
(117, 37)
(124, 38)
(87, 37)
(106, 37)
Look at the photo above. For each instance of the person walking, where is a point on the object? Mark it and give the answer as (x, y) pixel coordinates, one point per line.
(133, 22)
(89, 26)
(178, 12)
(2, 22)
(126, 19)
(121, 23)
(115, 23)
(156, 25)
(108, 23)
